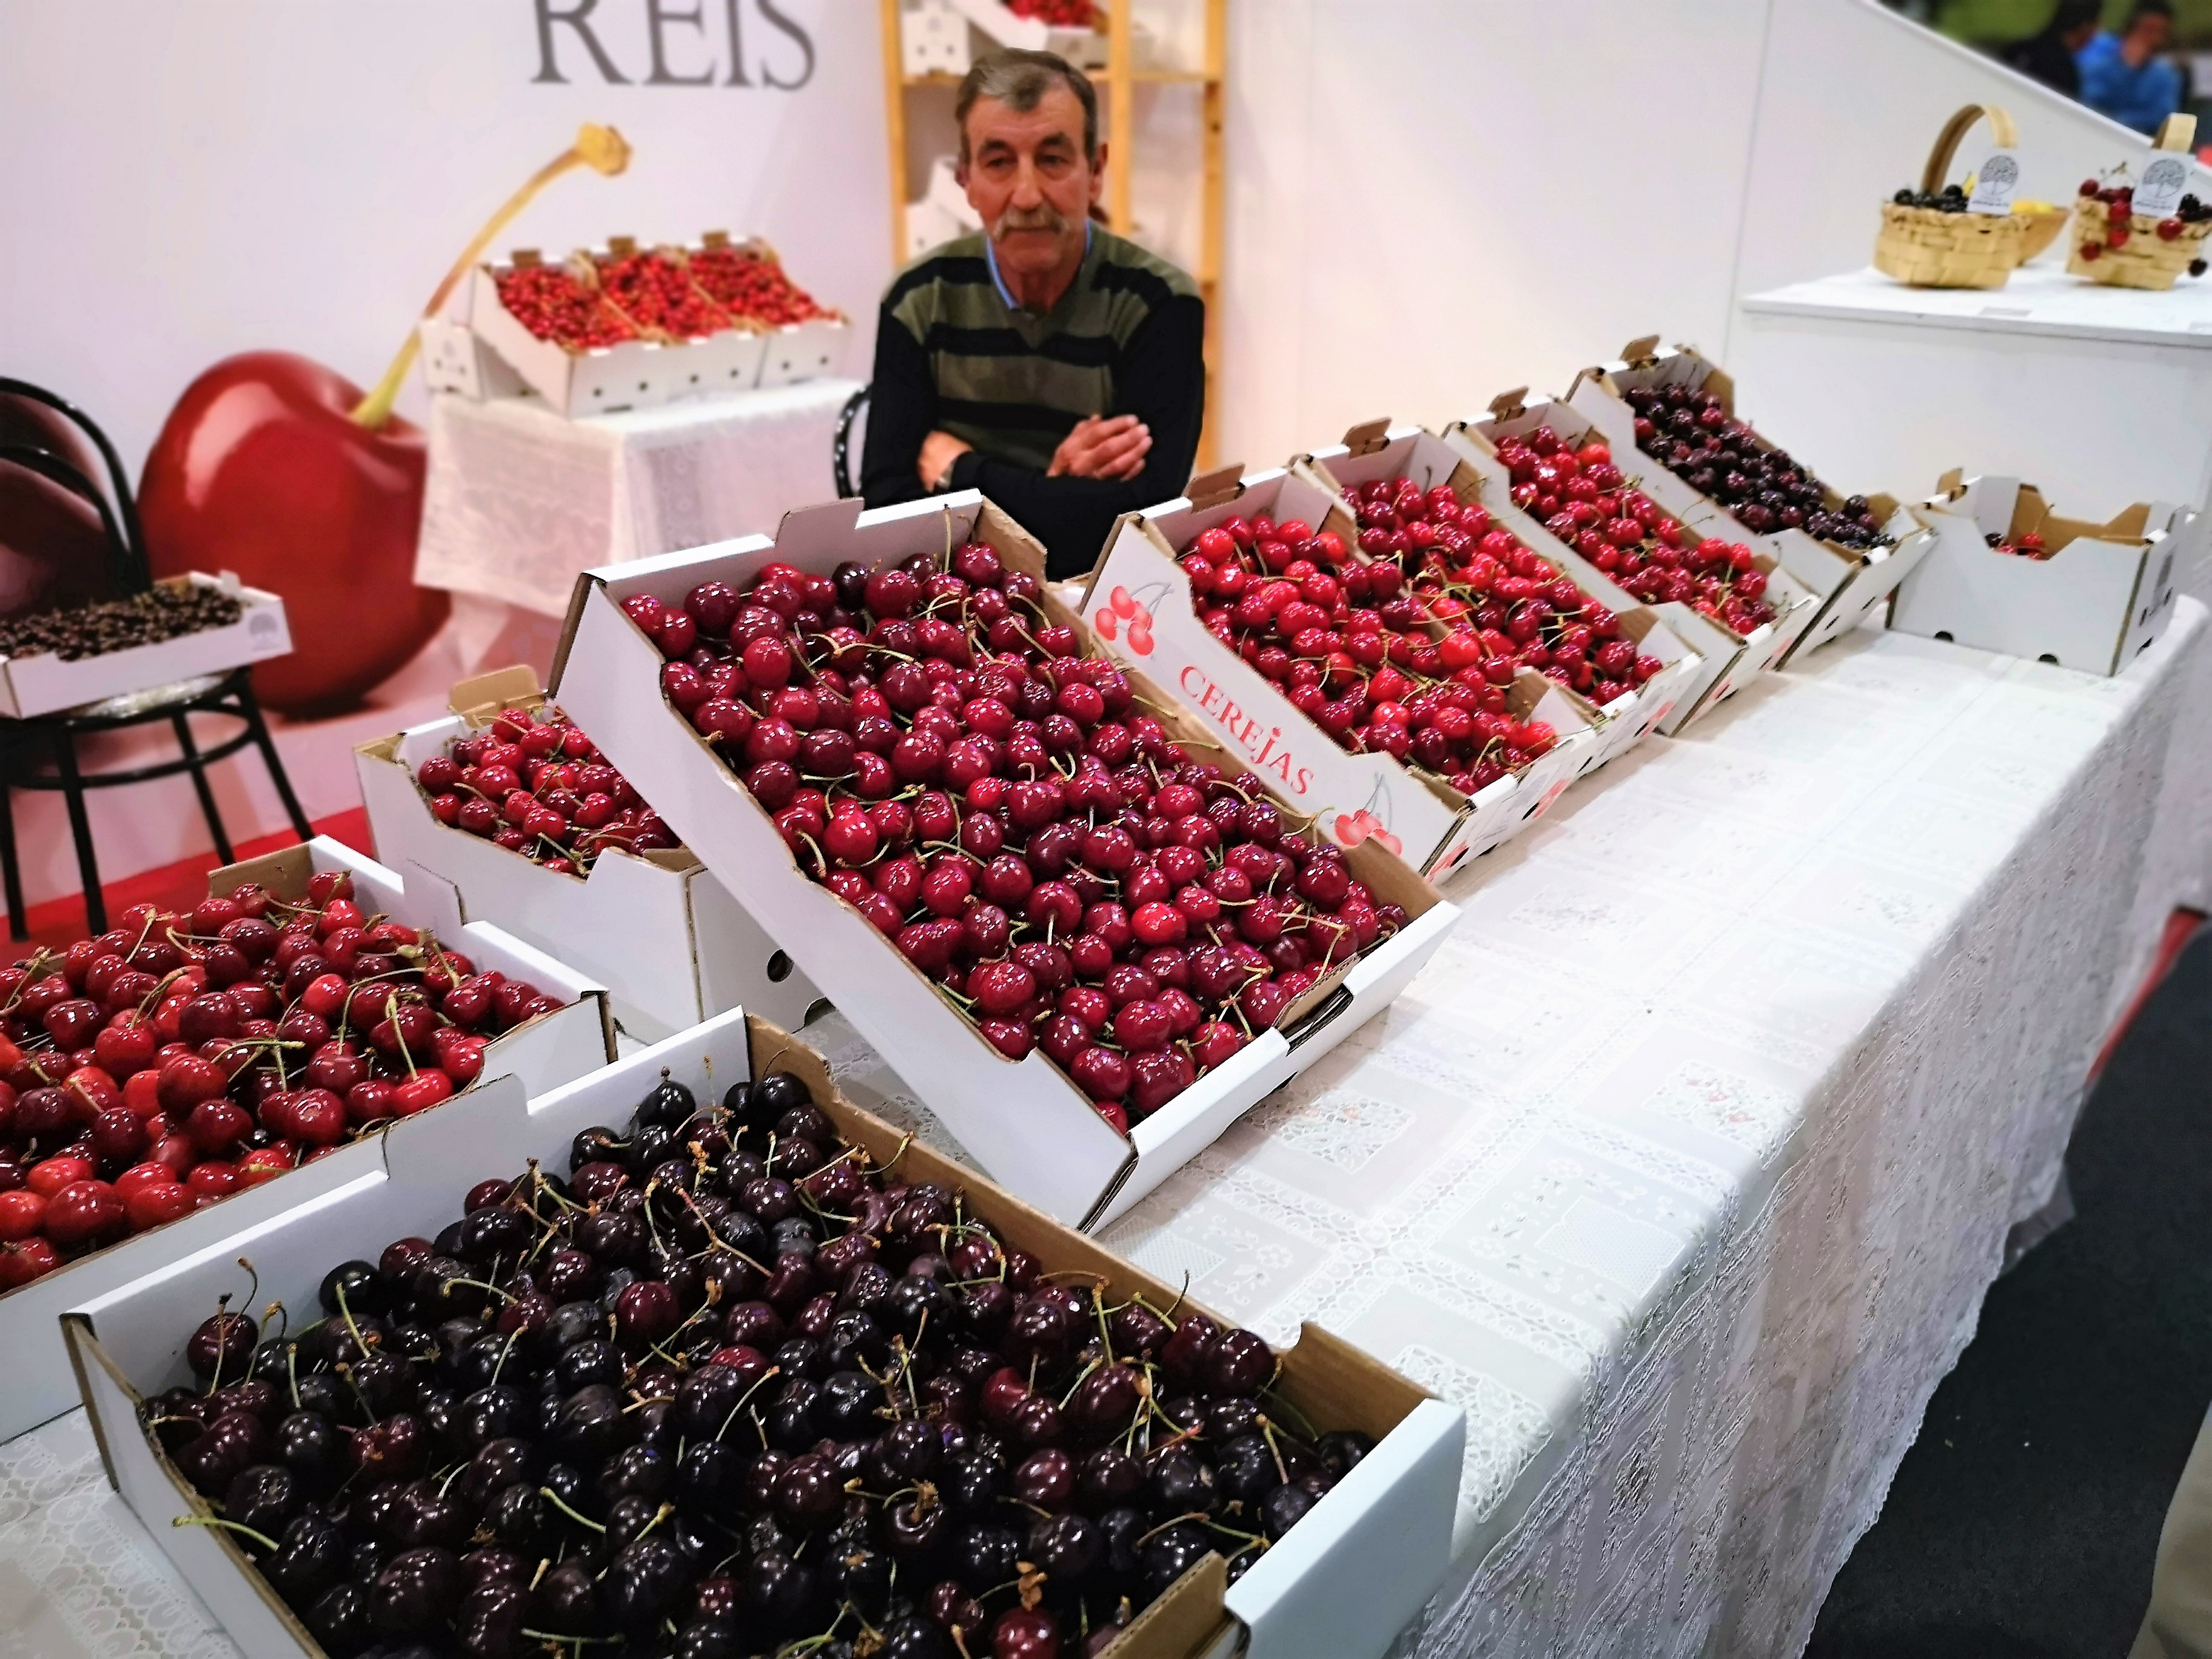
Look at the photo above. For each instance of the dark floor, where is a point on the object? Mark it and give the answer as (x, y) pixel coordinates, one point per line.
(2023, 1522)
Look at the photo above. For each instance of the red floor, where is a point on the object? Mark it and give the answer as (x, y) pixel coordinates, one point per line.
(61, 922)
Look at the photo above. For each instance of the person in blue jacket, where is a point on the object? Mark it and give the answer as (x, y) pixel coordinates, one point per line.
(2122, 74)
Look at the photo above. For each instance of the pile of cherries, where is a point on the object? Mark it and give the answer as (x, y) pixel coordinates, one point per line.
(657, 294)
(555, 304)
(166, 1064)
(532, 782)
(1060, 14)
(936, 751)
(1690, 432)
(1350, 646)
(750, 285)
(730, 1389)
(2112, 223)
(1585, 501)
(1505, 606)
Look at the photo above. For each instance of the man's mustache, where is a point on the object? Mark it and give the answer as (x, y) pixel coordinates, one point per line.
(1045, 217)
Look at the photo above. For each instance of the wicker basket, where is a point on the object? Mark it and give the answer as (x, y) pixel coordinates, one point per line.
(2144, 259)
(1928, 248)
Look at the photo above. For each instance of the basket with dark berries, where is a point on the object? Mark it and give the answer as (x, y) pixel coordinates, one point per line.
(186, 1057)
(1932, 238)
(2113, 243)
(697, 1358)
(1079, 930)
(1323, 666)
(510, 803)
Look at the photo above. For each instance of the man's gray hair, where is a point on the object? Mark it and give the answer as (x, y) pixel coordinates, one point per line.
(1018, 80)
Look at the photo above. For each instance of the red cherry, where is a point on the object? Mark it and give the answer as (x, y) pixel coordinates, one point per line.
(47, 1178)
(83, 1212)
(20, 1213)
(427, 1088)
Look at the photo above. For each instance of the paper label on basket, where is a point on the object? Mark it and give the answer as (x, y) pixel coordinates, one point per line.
(2159, 192)
(1993, 185)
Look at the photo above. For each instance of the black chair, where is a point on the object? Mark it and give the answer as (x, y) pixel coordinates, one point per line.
(22, 742)
(841, 446)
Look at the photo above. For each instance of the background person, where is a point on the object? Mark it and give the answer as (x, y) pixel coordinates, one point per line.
(2049, 54)
(2122, 74)
(1051, 364)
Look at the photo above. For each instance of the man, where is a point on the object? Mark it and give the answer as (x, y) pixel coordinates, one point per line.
(2048, 56)
(1048, 363)
(2122, 74)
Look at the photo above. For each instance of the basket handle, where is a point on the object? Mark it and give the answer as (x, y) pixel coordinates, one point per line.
(1947, 141)
(2177, 131)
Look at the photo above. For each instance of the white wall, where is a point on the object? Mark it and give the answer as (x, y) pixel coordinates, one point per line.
(187, 179)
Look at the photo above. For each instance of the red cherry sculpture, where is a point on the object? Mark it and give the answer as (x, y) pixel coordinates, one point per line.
(281, 470)
(261, 469)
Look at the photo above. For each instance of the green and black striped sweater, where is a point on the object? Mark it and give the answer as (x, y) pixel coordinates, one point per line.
(952, 356)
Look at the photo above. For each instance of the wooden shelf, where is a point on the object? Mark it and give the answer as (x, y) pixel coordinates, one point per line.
(1121, 121)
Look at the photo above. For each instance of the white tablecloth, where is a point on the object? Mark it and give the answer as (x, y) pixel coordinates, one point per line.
(519, 499)
(1684, 1168)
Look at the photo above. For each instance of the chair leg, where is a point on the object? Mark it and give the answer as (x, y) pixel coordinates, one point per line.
(11, 870)
(183, 724)
(87, 867)
(250, 708)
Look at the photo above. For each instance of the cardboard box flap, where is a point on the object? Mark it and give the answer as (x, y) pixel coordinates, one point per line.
(825, 524)
(1641, 352)
(1212, 488)
(1509, 405)
(477, 699)
(1367, 436)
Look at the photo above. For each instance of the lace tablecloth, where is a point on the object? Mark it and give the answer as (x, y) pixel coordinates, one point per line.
(519, 499)
(1684, 1167)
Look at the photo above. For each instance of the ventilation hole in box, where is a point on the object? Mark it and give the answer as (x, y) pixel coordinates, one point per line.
(644, 387)
(1943, 634)
(779, 967)
(695, 379)
(816, 1008)
(2047, 657)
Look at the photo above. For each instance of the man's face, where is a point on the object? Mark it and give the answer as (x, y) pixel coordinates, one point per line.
(1027, 176)
(2148, 35)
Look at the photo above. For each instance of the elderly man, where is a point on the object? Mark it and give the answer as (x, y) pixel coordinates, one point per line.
(1048, 363)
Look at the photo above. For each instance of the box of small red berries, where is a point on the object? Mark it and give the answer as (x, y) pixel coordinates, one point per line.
(558, 327)
(1249, 598)
(2007, 574)
(1731, 602)
(1086, 938)
(184, 627)
(694, 1355)
(183, 1075)
(1676, 410)
(512, 805)
(802, 338)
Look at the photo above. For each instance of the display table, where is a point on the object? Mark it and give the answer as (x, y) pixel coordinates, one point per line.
(519, 499)
(2102, 396)
(1684, 1168)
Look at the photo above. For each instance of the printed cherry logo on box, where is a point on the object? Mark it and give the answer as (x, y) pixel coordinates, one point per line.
(1366, 824)
(1122, 613)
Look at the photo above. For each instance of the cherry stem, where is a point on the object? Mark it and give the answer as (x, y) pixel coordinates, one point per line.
(262, 1539)
(601, 148)
(582, 1520)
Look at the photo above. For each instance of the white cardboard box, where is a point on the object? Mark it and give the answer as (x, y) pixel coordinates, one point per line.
(1728, 660)
(1351, 1573)
(1411, 452)
(665, 936)
(1849, 583)
(633, 375)
(549, 1051)
(2102, 598)
(44, 683)
(1415, 814)
(1023, 1121)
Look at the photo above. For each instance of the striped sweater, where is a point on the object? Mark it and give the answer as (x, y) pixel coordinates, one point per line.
(952, 356)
